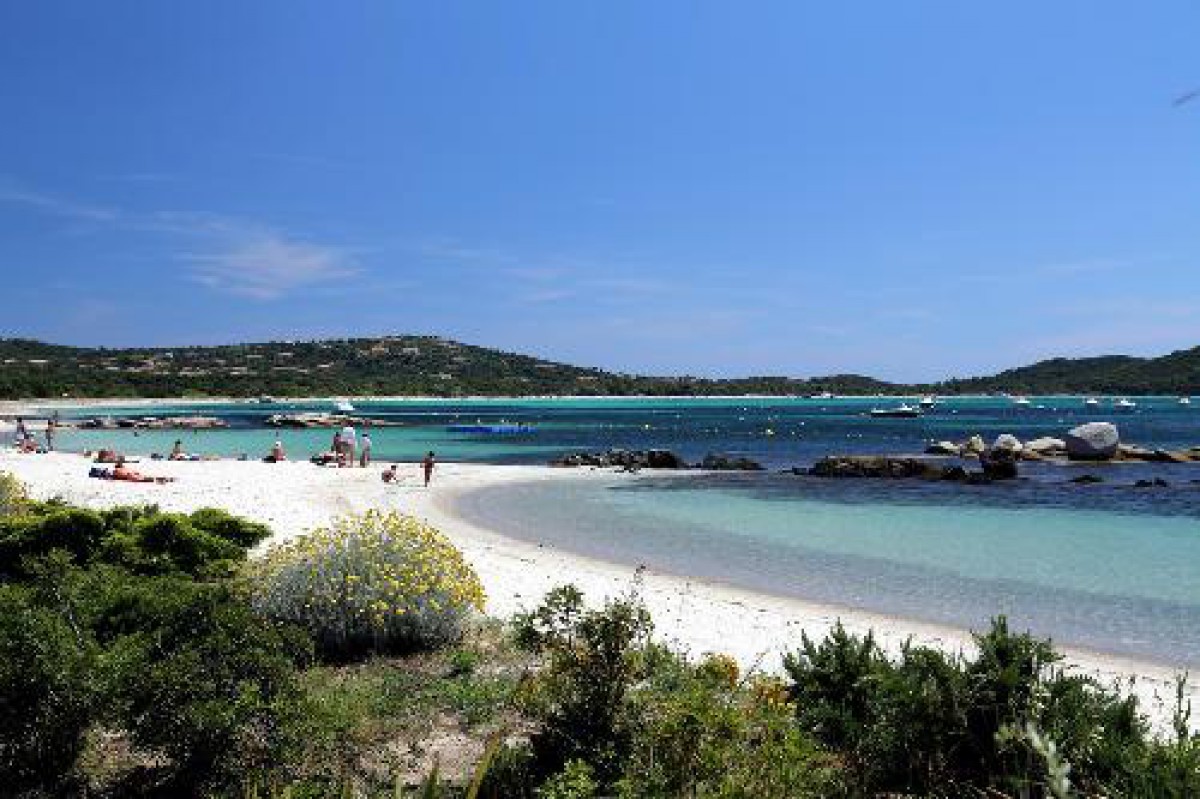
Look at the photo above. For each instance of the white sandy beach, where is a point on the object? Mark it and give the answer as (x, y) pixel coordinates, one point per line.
(697, 615)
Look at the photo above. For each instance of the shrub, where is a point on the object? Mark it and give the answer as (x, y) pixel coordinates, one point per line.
(13, 496)
(201, 679)
(378, 582)
(47, 693)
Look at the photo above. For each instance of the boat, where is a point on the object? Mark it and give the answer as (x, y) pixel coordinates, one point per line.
(1185, 400)
(903, 411)
(265, 399)
(824, 395)
(1021, 401)
(1124, 404)
(343, 406)
(928, 402)
(1092, 402)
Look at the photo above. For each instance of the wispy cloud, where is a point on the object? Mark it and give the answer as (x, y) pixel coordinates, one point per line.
(57, 206)
(269, 266)
(236, 256)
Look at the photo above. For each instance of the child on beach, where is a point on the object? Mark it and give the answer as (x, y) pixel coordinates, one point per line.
(276, 455)
(391, 474)
(427, 465)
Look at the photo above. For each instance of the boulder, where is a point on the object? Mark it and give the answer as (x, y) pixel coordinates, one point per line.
(943, 448)
(974, 445)
(1046, 446)
(720, 462)
(1094, 441)
(1132, 453)
(1006, 442)
(999, 464)
(1166, 456)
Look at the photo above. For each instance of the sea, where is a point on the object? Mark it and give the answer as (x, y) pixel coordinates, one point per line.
(1110, 566)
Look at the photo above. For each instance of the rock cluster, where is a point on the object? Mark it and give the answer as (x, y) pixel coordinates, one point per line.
(316, 420)
(154, 423)
(624, 459)
(728, 463)
(851, 466)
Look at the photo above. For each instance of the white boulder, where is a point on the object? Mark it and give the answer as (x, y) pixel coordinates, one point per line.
(1006, 442)
(1094, 441)
(974, 444)
(1045, 445)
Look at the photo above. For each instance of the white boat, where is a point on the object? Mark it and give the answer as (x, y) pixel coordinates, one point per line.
(902, 411)
(928, 402)
(1185, 400)
(343, 406)
(1021, 401)
(1092, 402)
(824, 395)
(1124, 404)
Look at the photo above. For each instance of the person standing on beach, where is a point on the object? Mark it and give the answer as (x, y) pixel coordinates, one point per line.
(51, 429)
(365, 459)
(349, 440)
(427, 465)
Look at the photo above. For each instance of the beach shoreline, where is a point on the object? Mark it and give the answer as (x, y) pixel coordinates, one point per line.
(700, 616)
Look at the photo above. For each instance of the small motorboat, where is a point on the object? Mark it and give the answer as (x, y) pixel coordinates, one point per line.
(1021, 401)
(1185, 400)
(1124, 404)
(343, 406)
(1091, 402)
(928, 402)
(902, 411)
(824, 395)
(265, 400)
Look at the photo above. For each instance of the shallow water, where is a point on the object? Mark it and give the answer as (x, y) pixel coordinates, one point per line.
(1075, 569)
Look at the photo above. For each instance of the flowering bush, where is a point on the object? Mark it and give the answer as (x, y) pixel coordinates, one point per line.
(376, 582)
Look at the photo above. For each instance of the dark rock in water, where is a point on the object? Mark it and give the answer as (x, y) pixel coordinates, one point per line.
(999, 464)
(943, 448)
(1166, 456)
(1087, 479)
(664, 459)
(719, 462)
(1157, 482)
(876, 466)
(956, 474)
(630, 460)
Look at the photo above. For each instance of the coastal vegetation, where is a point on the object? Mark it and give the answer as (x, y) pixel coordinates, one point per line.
(145, 653)
(432, 366)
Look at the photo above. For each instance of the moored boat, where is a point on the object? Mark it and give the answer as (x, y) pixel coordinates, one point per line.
(902, 411)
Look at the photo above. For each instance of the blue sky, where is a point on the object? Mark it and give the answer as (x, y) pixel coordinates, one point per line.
(912, 190)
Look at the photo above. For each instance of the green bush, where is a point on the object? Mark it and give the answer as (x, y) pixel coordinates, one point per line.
(202, 680)
(144, 540)
(375, 583)
(47, 693)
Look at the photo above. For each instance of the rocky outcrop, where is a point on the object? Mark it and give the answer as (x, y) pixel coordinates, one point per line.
(319, 420)
(623, 459)
(943, 448)
(884, 466)
(1094, 441)
(999, 464)
(727, 463)
(1045, 446)
(155, 423)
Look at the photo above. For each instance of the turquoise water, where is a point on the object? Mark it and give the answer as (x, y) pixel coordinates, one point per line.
(777, 431)
(1122, 582)
(1110, 566)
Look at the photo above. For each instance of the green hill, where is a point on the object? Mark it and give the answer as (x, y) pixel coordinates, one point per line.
(432, 366)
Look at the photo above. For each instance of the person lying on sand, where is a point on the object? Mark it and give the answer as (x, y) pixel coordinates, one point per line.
(391, 474)
(123, 472)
